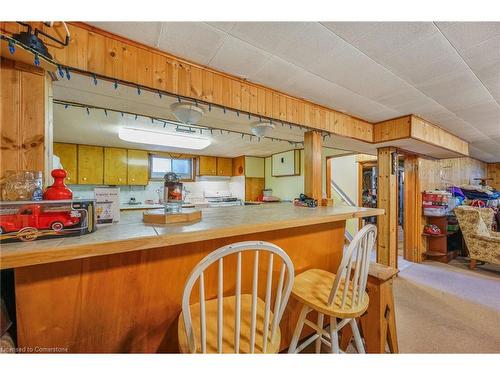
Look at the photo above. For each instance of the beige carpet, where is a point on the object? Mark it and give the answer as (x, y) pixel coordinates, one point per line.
(447, 308)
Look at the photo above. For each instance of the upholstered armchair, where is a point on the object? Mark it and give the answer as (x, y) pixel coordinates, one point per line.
(483, 244)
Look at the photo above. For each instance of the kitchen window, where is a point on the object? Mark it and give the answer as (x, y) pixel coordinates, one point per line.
(159, 165)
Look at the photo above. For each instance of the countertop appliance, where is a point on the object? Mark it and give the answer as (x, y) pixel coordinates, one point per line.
(221, 199)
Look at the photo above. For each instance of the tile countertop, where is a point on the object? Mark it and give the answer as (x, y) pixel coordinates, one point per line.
(131, 233)
(142, 206)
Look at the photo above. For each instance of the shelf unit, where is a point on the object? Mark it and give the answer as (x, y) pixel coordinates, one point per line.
(437, 245)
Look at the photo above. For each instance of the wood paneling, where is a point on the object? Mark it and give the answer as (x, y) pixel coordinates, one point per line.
(313, 165)
(100, 52)
(90, 165)
(68, 155)
(115, 166)
(412, 210)
(493, 171)
(253, 187)
(130, 302)
(392, 129)
(387, 198)
(432, 134)
(137, 167)
(22, 115)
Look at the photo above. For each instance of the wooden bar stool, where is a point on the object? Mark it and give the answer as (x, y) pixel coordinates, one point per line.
(378, 323)
(341, 296)
(241, 322)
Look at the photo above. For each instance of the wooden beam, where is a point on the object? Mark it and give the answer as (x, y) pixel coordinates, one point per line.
(412, 210)
(387, 198)
(313, 165)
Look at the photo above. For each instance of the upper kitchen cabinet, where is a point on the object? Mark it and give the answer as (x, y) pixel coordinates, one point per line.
(207, 166)
(286, 163)
(90, 165)
(239, 166)
(115, 166)
(68, 156)
(224, 167)
(138, 167)
(254, 166)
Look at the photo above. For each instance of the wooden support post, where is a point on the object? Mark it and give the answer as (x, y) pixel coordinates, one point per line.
(412, 212)
(312, 165)
(378, 324)
(387, 198)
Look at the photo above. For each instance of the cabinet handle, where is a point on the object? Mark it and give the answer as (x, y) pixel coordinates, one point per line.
(133, 179)
(84, 178)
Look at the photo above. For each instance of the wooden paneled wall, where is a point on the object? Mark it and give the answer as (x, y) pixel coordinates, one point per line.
(22, 117)
(97, 51)
(427, 132)
(493, 171)
(387, 198)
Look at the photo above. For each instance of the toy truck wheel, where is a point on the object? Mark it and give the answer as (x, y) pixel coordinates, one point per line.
(57, 226)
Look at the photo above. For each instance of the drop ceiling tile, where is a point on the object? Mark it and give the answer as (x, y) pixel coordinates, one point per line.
(464, 35)
(276, 72)
(194, 41)
(489, 111)
(428, 58)
(239, 58)
(224, 26)
(142, 32)
(484, 54)
(269, 36)
(388, 37)
(315, 42)
(351, 31)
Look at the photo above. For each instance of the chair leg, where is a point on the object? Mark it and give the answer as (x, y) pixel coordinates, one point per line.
(298, 329)
(472, 264)
(334, 335)
(319, 332)
(357, 336)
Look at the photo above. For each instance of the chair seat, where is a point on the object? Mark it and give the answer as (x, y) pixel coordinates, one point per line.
(313, 288)
(228, 327)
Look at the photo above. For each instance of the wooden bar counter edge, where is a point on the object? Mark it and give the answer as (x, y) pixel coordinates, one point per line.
(120, 289)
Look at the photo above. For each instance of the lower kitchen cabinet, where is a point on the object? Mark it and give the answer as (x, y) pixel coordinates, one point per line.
(90, 165)
(115, 166)
(68, 156)
(138, 167)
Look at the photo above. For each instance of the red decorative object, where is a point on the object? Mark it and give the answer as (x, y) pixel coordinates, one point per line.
(35, 217)
(58, 190)
(432, 230)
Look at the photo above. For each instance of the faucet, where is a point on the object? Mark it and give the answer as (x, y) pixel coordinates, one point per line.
(160, 195)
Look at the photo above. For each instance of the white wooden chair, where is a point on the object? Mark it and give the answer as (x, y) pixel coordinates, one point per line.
(340, 296)
(240, 322)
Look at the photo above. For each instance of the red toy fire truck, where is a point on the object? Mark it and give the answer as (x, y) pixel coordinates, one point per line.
(34, 216)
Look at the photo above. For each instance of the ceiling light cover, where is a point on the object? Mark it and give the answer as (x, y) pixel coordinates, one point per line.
(187, 113)
(152, 137)
(261, 129)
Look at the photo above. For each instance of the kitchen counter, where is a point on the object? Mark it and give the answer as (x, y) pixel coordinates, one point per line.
(145, 206)
(120, 289)
(132, 234)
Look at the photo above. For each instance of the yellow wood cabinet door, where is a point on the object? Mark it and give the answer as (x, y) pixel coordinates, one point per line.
(115, 166)
(207, 166)
(90, 165)
(68, 156)
(224, 167)
(138, 167)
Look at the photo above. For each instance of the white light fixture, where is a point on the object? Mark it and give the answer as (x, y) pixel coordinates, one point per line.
(151, 137)
(187, 113)
(260, 129)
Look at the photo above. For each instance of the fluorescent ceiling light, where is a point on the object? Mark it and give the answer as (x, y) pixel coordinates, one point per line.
(151, 137)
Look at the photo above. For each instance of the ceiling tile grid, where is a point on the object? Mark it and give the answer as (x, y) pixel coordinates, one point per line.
(446, 72)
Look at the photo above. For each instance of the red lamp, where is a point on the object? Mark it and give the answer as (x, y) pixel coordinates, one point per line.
(58, 190)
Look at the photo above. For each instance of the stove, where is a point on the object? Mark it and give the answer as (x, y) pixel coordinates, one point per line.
(221, 199)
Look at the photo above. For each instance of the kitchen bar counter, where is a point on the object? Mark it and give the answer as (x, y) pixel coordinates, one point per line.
(120, 289)
(131, 234)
